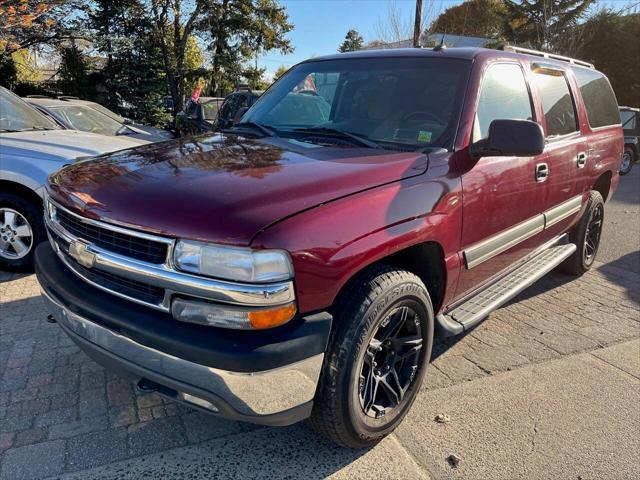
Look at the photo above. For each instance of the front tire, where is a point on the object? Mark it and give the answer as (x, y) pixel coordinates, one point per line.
(628, 158)
(376, 359)
(21, 230)
(586, 235)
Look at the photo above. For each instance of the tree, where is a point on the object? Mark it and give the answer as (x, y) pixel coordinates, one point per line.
(476, 18)
(280, 71)
(541, 24)
(123, 33)
(610, 42)
(27, 23)
(352, 41)
(74, 71)
(174, 22)
(239, 30)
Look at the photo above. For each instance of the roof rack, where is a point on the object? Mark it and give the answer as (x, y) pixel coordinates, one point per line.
(38, 96)
(528, 51)
(67, 97)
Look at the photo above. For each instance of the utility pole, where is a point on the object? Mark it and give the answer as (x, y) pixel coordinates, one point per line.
(417, 24)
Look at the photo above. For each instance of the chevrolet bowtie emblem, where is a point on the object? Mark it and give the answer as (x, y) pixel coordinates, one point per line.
(79, 252)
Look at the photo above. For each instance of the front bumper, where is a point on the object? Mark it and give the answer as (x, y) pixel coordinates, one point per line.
(262, 377)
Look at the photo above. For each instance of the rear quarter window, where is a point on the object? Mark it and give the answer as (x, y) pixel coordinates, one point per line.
(599, 99)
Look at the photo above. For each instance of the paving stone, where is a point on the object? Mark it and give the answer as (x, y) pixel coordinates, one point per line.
(65, 400)
(6, 441)
(122, 415)
(156, 435)
(15, 424)
(200, 427)
(97, 448)
(119, 392)
(149, 400)
(458, 368)
(78, 427)
(36, 461)
(92, 403)
(33, 435)
(54, 417)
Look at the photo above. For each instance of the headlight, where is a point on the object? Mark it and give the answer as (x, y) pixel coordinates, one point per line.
(233, 263)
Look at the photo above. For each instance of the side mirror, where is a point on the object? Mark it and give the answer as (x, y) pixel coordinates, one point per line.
(510, 138)
(239, 114)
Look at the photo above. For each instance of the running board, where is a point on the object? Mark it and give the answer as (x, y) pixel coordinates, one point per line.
(473, 311)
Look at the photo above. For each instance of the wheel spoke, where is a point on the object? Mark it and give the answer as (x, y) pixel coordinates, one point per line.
(23, 231)
(4, 246)
(19, 246)
(395, 323)
(391, 387)
(370, 391)
(9, 218)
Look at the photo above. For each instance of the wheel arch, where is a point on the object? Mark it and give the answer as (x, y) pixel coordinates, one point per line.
(425, 259)
(9, 186)
(603, 185)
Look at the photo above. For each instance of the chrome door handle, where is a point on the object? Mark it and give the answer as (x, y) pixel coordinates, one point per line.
(582, 159)
(542, 172)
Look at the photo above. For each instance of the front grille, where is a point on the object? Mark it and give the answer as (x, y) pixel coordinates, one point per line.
(116, 242)
(121, 285)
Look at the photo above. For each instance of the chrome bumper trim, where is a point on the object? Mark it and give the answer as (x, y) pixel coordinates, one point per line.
(163, 276)
(250, 394)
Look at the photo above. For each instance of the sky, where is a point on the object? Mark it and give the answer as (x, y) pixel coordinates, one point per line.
(320, 25)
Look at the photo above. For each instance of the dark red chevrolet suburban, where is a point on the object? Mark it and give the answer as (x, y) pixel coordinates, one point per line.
(301, 263)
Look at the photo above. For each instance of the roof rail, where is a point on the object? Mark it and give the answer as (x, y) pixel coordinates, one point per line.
(528, 51)
(38, 96)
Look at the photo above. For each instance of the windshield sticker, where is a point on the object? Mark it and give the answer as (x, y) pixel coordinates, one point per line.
(424, 136)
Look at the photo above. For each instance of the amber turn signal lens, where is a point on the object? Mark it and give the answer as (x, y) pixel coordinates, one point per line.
(272, 317)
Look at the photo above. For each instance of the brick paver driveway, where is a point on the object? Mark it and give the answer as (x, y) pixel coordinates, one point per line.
(60, 412)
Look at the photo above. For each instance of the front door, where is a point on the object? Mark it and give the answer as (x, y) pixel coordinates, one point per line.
(502, 209)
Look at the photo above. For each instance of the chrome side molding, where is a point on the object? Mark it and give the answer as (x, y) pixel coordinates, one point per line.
(503, 241)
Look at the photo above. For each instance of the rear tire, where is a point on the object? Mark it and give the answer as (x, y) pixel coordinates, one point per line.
(376, 358)
(586, 236)
(628, 159)
(18, 217)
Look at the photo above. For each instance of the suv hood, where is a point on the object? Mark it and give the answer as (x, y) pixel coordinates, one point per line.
(222, 188)
(62, 145)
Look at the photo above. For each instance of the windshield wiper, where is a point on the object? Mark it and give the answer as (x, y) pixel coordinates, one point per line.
(334, 132)
(269, 132)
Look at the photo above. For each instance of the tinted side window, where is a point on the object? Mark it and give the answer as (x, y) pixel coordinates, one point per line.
(628, 119)
(598, 97)
(557, 103)
(504, 96)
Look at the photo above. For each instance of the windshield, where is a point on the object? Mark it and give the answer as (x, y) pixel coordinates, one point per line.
(106, 111)
(88, 120)
(16, 115)
(396, 102)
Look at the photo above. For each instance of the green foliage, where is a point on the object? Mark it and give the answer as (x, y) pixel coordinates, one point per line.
(280, 71)
(239, 30)
(612, 43)
(74, 71)
(475, 18)
(542, 24)
(352, 41)
(8, 71)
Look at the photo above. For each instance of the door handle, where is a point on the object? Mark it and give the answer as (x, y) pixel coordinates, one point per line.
(582, 159)
(542, 172)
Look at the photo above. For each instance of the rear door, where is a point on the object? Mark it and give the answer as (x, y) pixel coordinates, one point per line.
(565, 147)
(502, 211)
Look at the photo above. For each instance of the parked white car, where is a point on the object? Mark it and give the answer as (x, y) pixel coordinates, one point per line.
(31, 147)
